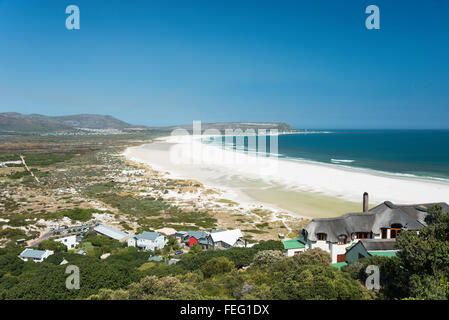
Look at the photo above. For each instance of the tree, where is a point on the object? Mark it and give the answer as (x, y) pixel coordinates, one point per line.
(435, 215)
(217, 266)
(52, 245)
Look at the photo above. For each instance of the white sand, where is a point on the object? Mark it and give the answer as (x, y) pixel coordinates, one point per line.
(186, 157)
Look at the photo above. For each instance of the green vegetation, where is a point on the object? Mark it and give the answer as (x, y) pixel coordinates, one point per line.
(134, 206)
(39, 159)
(78, 214)
(127, 274)
(52, 245)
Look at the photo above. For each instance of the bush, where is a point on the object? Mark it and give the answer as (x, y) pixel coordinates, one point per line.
(315, 256)
(217, 266)
(269, 245)
(265, 259)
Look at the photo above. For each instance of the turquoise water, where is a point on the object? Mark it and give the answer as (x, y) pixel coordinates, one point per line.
(422, 153)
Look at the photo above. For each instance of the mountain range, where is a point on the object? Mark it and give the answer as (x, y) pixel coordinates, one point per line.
(16, 123)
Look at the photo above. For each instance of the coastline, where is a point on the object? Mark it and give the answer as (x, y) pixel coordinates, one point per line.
(300, 188)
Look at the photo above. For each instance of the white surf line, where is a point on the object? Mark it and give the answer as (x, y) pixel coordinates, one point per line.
(32, 174)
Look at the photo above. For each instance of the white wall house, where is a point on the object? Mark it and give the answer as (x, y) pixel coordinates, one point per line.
(35, 255)
(70, 241)
(293, 246)
(148, 241)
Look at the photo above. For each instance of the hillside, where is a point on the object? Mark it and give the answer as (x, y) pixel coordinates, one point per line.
(16, 123)
(12, 122)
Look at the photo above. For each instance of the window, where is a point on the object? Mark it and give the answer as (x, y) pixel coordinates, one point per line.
(395, 230)
(321, 236)
(361, 235)
(384, 233)
(342, 239)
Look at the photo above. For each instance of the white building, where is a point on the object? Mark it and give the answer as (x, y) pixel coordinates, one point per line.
(111, 232)
(70, 241)
(148, 241)
(35, 255)
(293, 246)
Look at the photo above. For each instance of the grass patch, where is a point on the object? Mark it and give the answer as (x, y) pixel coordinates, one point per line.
(255, 231)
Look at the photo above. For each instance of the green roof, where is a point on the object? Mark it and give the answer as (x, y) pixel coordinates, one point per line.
(293, 244)
(338, 265)
(383, 253)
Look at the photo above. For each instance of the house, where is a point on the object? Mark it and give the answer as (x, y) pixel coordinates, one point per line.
(366, 248)
(293, 247)
(35, 255)
(190, 238)
(70, 241)
(384, 221)
(180, 235)
(224, 239)
(148, 241)
(111, 232)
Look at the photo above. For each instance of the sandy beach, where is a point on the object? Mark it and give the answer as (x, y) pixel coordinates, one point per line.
(303, 188)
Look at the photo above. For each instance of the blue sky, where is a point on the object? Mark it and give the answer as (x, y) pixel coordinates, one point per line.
(312, 64)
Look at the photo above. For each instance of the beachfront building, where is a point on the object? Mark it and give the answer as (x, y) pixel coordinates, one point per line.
(148, 241)
(224, 239)
(111, 232)
(35, 255)
(294, 246)
(384, 221)
(70, 242)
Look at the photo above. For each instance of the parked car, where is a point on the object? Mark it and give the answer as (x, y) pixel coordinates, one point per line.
(179, 252)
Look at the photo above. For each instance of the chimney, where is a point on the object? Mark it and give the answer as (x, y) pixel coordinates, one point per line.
(365, 202)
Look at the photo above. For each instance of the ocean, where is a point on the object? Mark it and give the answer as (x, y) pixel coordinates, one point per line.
(422, 153)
